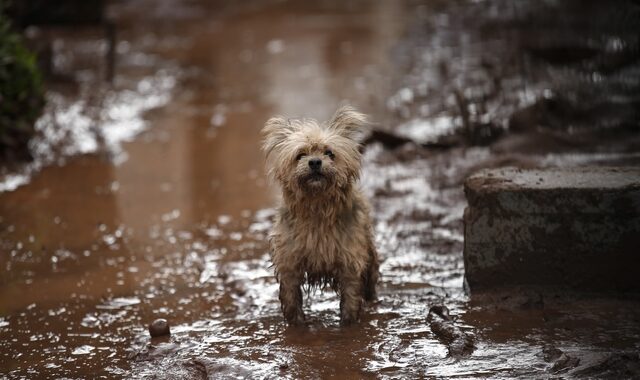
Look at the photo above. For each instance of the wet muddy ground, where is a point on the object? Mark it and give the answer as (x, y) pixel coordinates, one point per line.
(148, 199)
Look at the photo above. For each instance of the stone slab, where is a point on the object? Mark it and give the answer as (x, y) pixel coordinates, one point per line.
(575, 228)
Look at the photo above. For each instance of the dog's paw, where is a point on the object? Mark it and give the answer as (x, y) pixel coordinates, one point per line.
(348, 319)
(296, 319)
(371, 297)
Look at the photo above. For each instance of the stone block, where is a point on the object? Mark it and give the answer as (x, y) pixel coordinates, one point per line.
(571, 228)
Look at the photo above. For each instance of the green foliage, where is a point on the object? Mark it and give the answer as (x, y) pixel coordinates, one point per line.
(21, 93)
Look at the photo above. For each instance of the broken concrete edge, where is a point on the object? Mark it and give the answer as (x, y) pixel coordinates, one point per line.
(576, 228)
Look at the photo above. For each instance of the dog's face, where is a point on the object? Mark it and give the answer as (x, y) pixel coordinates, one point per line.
(308, 158)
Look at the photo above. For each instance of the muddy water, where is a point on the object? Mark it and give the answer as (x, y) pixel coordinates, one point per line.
(172, 223)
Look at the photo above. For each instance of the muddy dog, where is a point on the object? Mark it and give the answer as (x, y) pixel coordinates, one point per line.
(322, 235)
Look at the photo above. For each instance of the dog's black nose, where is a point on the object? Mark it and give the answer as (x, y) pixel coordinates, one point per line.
(315, 164)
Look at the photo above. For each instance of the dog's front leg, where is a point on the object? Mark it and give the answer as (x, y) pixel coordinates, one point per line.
(351, 289)
(291, 299)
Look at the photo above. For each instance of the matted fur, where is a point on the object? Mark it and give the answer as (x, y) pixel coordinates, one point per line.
(322, 234)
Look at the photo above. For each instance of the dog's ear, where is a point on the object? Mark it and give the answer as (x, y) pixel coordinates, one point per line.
(347, 122)
(275, 132)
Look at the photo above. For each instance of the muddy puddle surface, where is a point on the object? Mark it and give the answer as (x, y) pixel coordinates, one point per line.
(148, 199)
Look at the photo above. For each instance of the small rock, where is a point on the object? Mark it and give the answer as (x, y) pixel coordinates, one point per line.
(441, 310)
(551, 353)
(159, 327)
(565, 363)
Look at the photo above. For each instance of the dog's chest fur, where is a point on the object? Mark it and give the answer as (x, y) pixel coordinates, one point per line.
(320, 243)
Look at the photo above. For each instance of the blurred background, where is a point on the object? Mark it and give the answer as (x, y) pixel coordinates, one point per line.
(132, 185)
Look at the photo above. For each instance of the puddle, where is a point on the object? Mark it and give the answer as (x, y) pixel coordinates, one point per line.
(156, 205)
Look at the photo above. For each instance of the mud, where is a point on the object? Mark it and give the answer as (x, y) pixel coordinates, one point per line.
(148, 199)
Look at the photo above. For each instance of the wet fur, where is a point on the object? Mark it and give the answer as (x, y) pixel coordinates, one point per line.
(322, 235)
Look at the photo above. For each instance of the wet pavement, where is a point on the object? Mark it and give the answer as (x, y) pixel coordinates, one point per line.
(149, 200)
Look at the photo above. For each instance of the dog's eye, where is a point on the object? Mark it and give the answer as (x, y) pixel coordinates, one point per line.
(299, 156)
(329, 153)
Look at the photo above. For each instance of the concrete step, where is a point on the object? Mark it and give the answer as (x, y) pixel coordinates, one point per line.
(572, 228)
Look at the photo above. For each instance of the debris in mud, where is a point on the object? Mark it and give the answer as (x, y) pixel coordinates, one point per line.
(458, 342)
(387, 139)
(392, 140)
(475, 132)
(551, 353)
(283, 366)
(565, 363)
(159, 327)
(562, 362)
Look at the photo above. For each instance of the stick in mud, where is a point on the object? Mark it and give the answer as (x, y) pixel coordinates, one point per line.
(458, 342)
